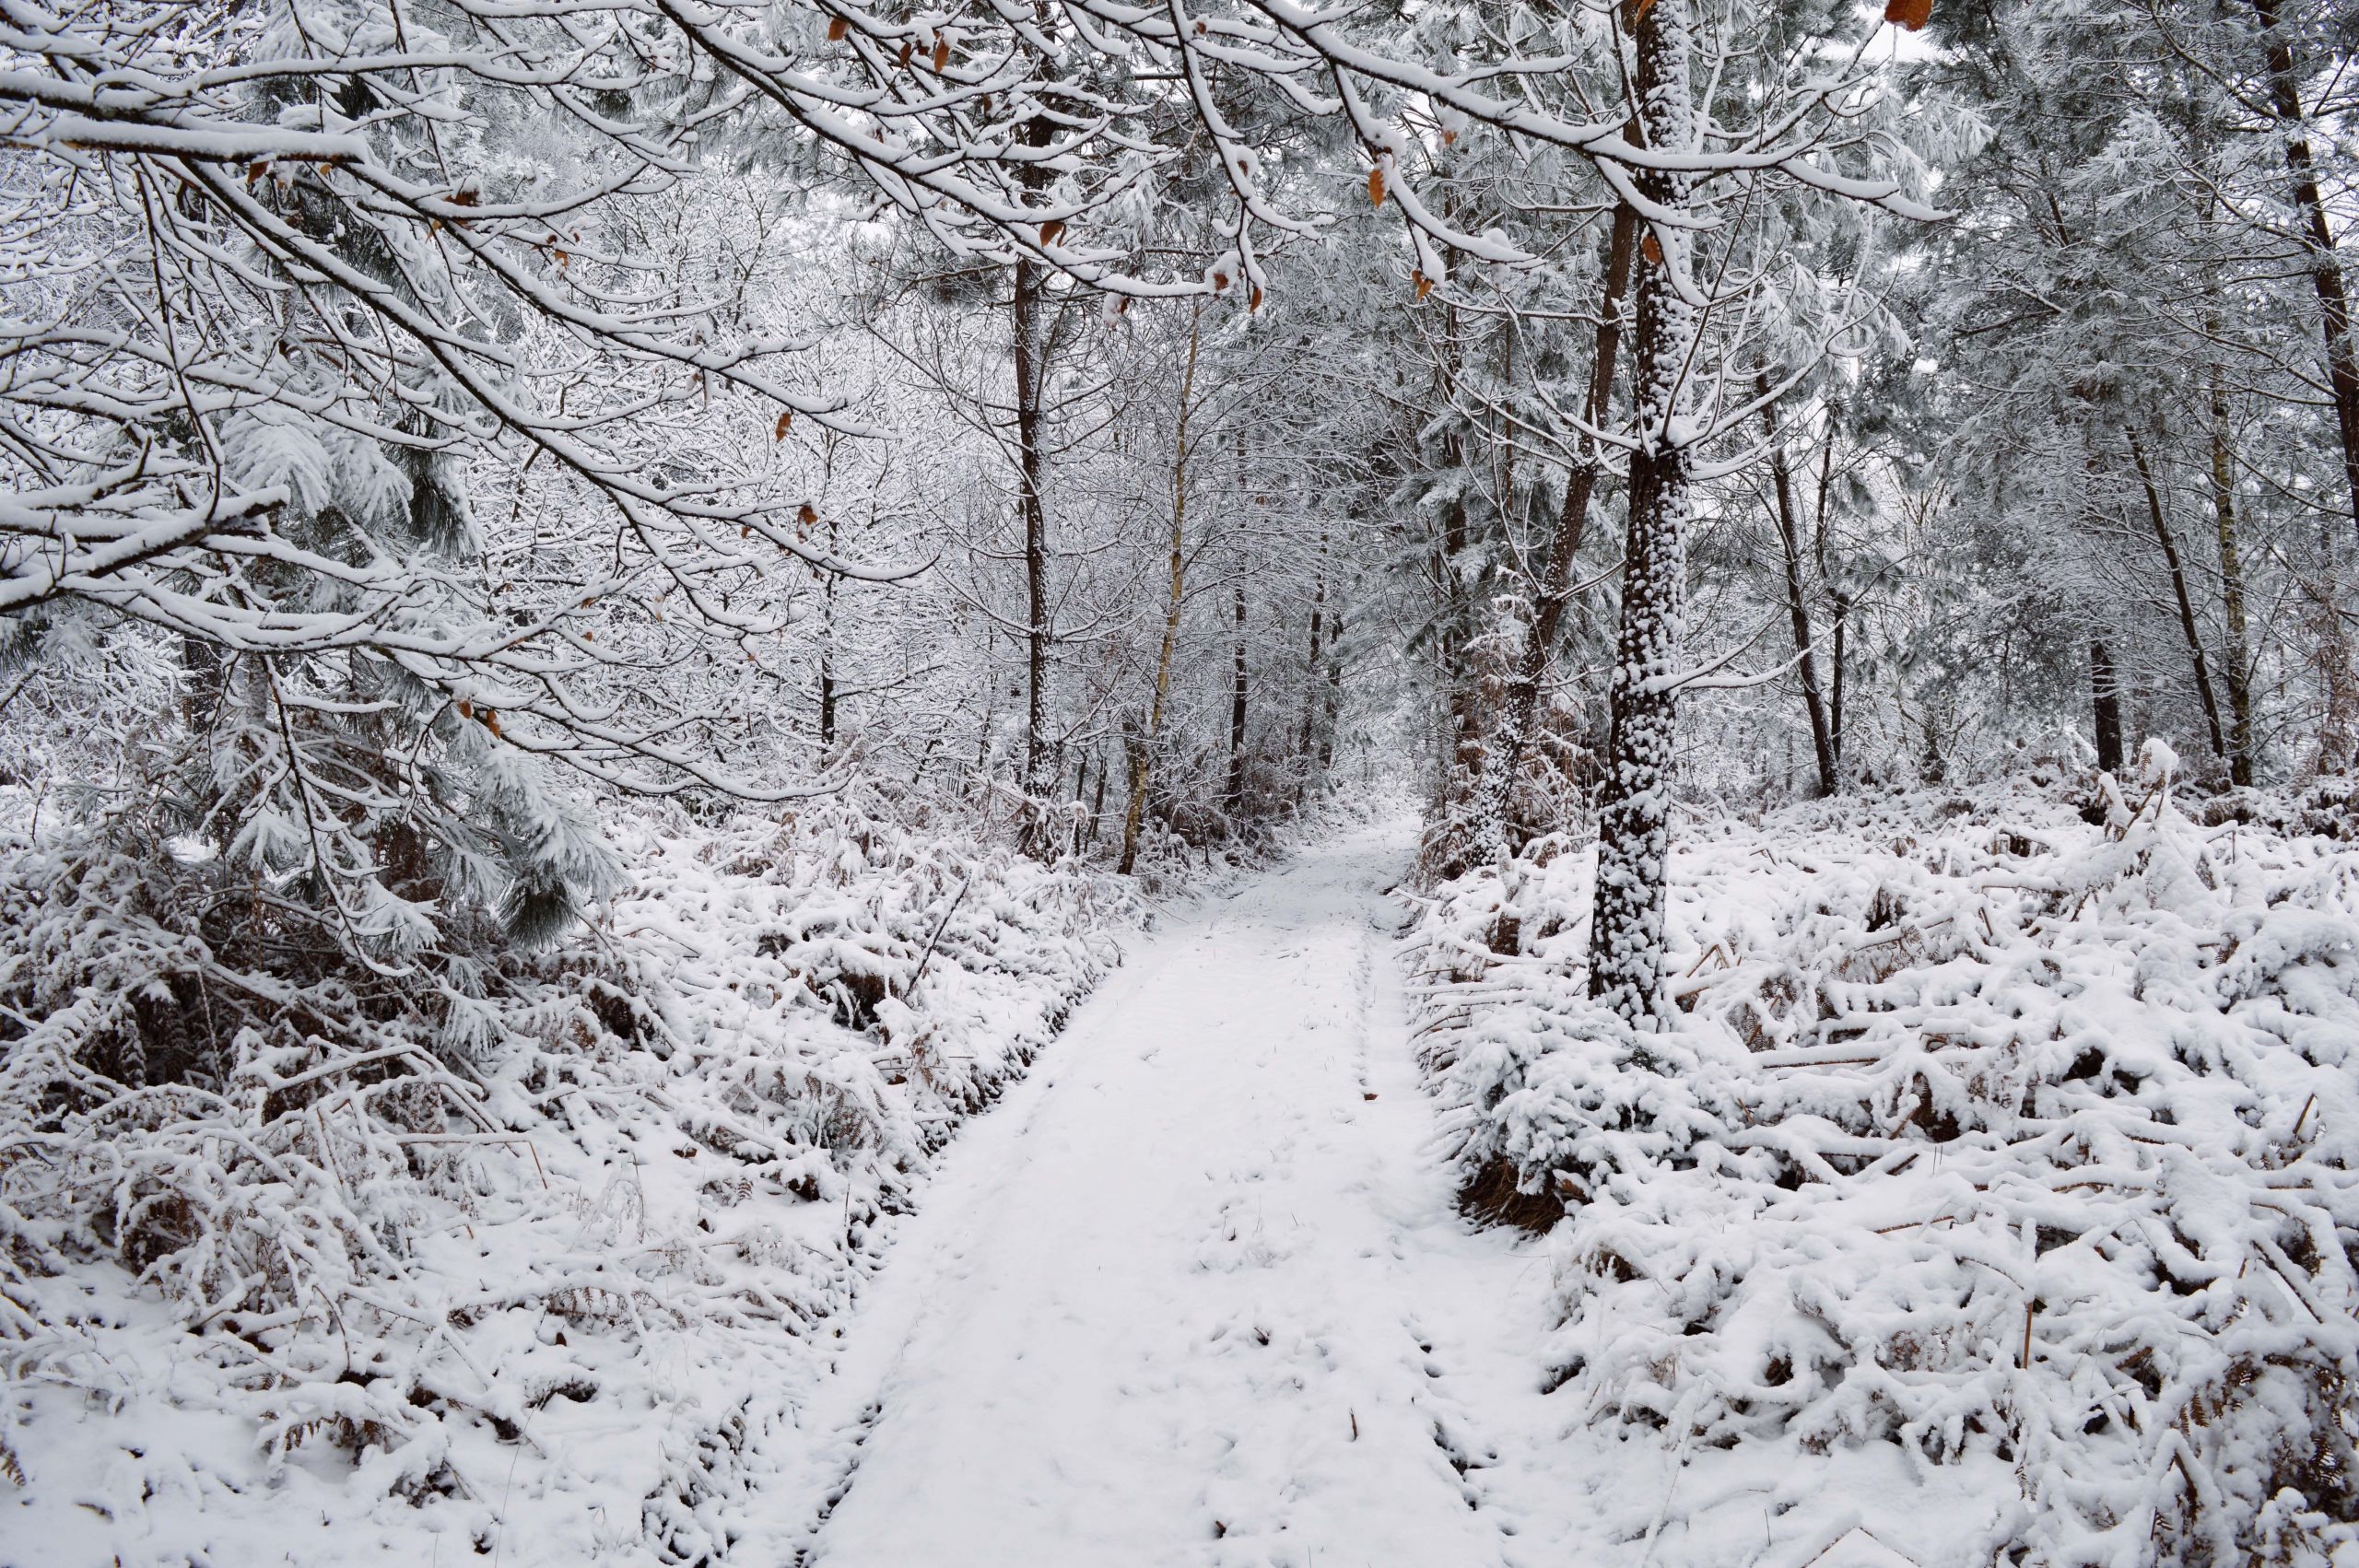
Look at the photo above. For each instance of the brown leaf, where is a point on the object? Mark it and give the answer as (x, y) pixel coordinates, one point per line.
(255, 171)
(1376, 185)
(466, 708)
(806, 514)
(1425, 285)
(1651, 248)
(785, 422)
(1639, 11)
(1253, 301)
(1052, 230)
(462, 198)
(941, 54)
(837, 29)
(1910, 14)
(492, 720)
(1220, 283)
(563, 260)
(908, 49)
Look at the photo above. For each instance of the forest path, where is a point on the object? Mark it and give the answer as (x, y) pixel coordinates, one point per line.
(1196, 1291)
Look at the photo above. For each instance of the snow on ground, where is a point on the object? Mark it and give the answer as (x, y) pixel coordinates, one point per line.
(524, 1303)
(1199, 1293)
(1994, 1149)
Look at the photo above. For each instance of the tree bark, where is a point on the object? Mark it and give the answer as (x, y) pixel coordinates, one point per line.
(1237, 711)
(1036, 523)
(1634, 809)
(2237, 667)
(2105, 693)
(1521, 703)
(2179, 589)
(2326, 270)
(1334, 691)
(1142, 752)
(1789, 539)
(1834, 594)
(1312, 673)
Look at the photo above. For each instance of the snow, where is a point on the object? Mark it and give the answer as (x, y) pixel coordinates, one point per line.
(1199, 1288)
(2010, 1144)
(1197, 1292)
(361, 1304)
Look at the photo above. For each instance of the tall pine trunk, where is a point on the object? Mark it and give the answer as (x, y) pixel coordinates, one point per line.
(1634, 809)
(2309, 212)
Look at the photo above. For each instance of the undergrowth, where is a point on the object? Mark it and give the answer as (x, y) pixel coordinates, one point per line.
(1983, 1132)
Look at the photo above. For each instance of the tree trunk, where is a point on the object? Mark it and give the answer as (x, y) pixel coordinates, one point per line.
(2309, 211)
(2186, 603)
(1836, 596)
(1334, 692)
(1312, 673)
(1634, 810)
(1036, 524)
(1143, 752)
(2105, 693)
(1790, 538)
(1237, 711)
(2237, 667)
(1521, 703)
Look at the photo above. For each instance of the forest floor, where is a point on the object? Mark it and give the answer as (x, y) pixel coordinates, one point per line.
(1197, 1292)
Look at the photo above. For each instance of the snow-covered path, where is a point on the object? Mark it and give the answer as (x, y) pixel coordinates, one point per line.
(1196, 1291)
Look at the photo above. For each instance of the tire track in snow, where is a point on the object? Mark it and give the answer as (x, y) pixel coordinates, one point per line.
(1195, 1293)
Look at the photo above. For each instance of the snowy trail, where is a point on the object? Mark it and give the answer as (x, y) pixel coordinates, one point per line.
(1197, 1293)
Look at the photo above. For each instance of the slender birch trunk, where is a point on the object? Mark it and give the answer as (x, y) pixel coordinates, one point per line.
(1143, 751)
(2236, 666)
